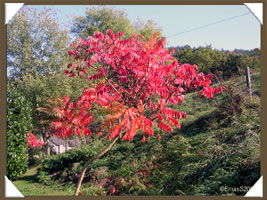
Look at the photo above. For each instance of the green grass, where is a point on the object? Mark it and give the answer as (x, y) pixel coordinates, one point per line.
(218, 145)
(29, 186)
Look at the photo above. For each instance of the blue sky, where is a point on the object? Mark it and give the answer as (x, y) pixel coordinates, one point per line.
(241, 32)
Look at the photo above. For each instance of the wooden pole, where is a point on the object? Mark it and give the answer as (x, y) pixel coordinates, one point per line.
(248, 81)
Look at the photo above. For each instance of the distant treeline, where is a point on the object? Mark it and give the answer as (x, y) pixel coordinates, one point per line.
(224, 64)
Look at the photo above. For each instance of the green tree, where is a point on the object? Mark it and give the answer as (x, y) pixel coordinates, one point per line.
(147, 28)
(101, 19)
(35, 42)
(37, 51)
(19, 122)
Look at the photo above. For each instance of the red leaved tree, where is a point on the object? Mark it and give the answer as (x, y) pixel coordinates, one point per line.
(135, 80)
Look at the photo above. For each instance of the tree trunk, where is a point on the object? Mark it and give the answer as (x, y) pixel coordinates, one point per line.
(47, 149)
(42, 148)
(41, 153)
(90, 161)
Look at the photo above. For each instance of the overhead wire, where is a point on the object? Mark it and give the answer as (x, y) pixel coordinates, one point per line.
(210, 24)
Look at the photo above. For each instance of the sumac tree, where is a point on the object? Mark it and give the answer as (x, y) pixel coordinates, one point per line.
(134, 80)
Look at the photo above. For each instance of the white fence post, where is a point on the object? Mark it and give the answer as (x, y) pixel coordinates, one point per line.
(248, 81)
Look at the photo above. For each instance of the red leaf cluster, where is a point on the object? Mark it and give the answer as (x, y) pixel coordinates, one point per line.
(33, 142)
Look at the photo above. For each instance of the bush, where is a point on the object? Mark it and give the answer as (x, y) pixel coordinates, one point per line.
(62, 167)
(19, 122)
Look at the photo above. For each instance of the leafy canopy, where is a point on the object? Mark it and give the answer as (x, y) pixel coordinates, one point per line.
(134, 80)
(102, 18)
(35, 43)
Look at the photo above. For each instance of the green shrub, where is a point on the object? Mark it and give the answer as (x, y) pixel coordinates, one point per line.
(45, 178)
(19, 122)
(62, 167)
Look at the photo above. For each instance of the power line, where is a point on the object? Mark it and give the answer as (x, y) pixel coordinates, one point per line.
(204, 26)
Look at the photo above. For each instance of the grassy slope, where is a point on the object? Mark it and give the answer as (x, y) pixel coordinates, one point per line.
(211, 150)
(216, 147)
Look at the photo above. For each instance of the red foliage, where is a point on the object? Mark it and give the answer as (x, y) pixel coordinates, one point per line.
(113, 190)
(33, 142)
(135, 80)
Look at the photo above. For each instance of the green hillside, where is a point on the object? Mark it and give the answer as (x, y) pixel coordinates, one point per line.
(217, 146)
